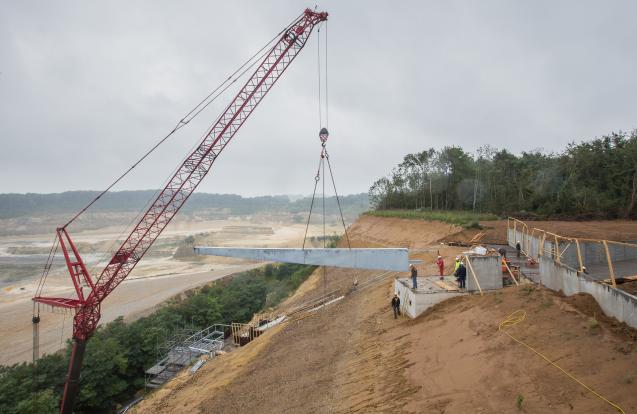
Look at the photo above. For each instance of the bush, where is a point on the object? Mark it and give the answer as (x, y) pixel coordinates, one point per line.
(118, 353)
(466, 219)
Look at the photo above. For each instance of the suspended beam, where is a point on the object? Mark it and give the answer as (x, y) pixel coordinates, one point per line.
(382, 259)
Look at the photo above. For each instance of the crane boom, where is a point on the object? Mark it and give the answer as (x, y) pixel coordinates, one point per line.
(180, 186)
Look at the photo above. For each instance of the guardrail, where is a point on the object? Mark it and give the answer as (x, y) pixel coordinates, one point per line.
(564, 262)
(582, 254)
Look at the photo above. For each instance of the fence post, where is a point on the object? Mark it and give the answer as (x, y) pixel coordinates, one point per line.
(610, 264)
(511, 273)
(579, 256)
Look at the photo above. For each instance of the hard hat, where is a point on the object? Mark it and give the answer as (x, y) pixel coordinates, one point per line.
(439, 257)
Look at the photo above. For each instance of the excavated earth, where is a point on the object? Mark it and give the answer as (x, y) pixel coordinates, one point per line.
(354, 357)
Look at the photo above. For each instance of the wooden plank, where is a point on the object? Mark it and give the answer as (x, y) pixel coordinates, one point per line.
(579, 256)
(446, 286)
(610, 264)
(626, 279)
(511, 273)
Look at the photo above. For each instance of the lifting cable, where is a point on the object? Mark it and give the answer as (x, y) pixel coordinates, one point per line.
(519, 316)
(185, 120)
(323, 135)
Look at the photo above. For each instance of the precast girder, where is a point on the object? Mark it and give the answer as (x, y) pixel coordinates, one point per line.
(394, 259)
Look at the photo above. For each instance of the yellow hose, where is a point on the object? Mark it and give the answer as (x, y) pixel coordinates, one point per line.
(517, 317)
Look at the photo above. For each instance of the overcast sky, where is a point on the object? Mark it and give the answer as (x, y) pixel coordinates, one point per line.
(87, 87)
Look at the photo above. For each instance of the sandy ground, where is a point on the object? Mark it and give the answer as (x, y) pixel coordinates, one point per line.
(134, 298)
(353, 357)
(618, 230)
(156, 279)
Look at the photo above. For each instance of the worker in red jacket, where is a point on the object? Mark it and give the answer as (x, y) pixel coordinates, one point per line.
(441, 266)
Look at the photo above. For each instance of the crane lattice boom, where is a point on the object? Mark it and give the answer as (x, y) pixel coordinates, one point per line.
(180, 186)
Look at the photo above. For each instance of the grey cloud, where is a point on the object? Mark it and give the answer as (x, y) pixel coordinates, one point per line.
(86, 87)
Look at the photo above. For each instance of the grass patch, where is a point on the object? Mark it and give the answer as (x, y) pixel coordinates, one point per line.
(628, 380)
(527, 290)
(593, 325)
(519, 401)
(466, 219)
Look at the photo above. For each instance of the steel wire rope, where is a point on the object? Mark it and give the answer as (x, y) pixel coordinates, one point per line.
(519, 316)
(257, 57)
(62, 330)
(47, 267)
(324, 235)
(338, 202)
(316, 180)
(327, 115)
(318, 61)
(192, 114)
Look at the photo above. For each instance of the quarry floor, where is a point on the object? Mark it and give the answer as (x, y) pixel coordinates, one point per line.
(353, 356)
(157, 279)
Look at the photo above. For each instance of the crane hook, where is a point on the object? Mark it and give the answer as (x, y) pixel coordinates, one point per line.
(323, 135)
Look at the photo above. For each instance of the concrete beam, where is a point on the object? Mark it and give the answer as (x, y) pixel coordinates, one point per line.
(382, 259)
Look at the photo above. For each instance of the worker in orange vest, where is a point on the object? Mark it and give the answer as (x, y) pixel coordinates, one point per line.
(441, 266)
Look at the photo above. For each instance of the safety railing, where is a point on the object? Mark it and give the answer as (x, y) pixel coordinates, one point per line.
(591, 256)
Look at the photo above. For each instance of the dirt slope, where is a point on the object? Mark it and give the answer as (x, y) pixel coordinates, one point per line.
(495, 231)
(354, 357)
(370, 231)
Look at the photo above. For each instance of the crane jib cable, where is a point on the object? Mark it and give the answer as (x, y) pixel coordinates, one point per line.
(192, 114)
(175, 193)
(324, 154)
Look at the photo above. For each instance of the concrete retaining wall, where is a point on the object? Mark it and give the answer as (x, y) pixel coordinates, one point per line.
(488, 272)
(614, 302)
(592, 252)
(413, 304)
(563, 276)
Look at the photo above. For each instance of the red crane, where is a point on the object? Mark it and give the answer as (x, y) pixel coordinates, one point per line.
(169, 201)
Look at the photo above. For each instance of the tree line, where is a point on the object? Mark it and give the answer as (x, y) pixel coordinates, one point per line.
(118, 353)
(31, 204)
(591, 179)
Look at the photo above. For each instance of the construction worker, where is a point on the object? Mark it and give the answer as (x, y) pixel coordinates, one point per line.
(441, 266)
(461, 275)
(455, 267)
(518, 248)
(395, 304)
(414, 276)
